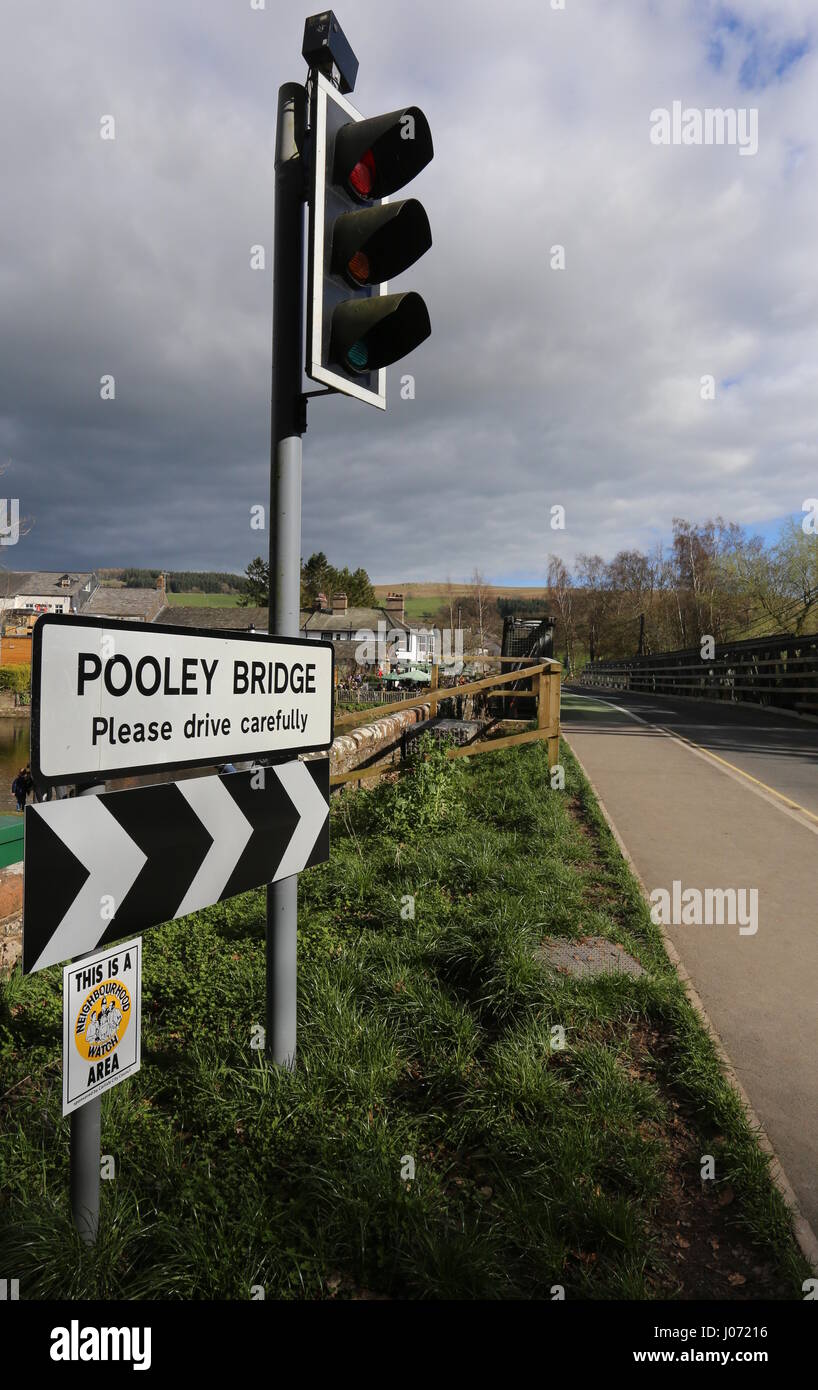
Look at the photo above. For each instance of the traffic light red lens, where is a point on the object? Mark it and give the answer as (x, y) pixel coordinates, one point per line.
(362, 177)
(358, 356)
(358, 268)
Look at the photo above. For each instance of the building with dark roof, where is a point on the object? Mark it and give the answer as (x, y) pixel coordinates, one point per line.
(363, 632)
(351, 630)
(46, 591)
(215, 619)
(139, 605)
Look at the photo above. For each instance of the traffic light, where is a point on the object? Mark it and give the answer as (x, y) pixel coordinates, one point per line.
(359, 241)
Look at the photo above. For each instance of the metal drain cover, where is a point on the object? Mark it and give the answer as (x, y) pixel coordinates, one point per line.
(591, 955)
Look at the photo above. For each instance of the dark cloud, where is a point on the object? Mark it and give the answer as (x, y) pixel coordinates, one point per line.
(538, 387)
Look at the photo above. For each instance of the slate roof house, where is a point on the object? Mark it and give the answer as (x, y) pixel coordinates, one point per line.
(138, 605)
(351, 628)
(46, 591)
(347, 628)
(215, 619)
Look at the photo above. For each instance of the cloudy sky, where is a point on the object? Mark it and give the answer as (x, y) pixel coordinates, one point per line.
(578, 388)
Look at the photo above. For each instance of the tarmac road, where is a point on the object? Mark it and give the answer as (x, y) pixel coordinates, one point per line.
(716, 797)
(774, 748)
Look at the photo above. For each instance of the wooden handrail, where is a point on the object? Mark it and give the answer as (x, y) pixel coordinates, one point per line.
(447, 693)
(549, 674)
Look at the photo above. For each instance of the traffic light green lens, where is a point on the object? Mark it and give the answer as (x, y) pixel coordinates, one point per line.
(358, 356)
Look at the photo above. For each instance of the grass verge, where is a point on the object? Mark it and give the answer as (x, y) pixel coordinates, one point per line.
(433, 1142)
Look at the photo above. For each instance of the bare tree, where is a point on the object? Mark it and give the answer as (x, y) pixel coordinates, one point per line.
(559, 583)
(450, 601)
(593, 577)
(480, 595)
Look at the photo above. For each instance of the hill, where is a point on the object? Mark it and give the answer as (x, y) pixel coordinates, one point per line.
(425, 600)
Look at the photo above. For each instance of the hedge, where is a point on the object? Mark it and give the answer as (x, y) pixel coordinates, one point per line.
(17, 678)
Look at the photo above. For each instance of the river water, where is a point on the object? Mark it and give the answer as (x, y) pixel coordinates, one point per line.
(14, 754)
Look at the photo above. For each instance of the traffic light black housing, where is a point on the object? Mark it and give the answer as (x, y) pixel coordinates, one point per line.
(370, 247)
(359, 241)
(370, 333)
(386, 152)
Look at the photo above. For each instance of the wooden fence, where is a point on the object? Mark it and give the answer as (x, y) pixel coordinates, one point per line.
(540, 679)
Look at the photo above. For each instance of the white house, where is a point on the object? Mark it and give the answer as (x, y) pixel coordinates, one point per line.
(350, 629)
(44, 591)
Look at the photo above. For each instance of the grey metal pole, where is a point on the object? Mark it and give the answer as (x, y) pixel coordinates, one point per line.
(285, 516)
(86, 1128)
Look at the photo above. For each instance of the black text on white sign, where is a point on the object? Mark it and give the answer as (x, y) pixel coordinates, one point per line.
(112, 699)
(102, 1003)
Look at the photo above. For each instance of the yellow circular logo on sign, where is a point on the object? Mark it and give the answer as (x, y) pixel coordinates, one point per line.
(102, 1020)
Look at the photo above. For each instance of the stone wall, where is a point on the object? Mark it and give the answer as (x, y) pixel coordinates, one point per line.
(9, 710)
(370, 741)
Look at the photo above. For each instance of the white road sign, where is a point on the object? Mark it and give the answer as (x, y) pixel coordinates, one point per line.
(119, 698)
(102, 1007)
(149, 854)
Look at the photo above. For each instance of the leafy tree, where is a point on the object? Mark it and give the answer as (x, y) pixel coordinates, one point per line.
(139, 578)
(318, 576)
(356, 586)
(182, 581)
(205, 581)
(783, 581)
(257, 593)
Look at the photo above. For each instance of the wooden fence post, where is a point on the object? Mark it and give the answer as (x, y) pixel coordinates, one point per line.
(433, 687)
(554, 676)
(543, 707)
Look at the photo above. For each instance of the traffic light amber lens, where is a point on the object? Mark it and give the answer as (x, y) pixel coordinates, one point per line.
(358, 268)
(358, 356)
(362, 177)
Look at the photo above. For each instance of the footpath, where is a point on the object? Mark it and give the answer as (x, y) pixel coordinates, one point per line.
(687, 818)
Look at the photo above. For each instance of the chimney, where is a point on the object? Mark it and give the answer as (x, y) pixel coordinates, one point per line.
(339, 603)
(394, 606)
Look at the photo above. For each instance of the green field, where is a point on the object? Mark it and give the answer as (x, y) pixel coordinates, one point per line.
(437, 1139)
(425, 601)
(203, 600)
(418, 608)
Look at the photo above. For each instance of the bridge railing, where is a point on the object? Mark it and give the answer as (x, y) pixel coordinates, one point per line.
(781, 672)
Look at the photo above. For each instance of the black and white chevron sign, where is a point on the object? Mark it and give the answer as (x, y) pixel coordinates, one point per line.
(98, 868)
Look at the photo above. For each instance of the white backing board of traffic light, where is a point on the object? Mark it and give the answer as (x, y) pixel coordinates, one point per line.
(324, 99)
